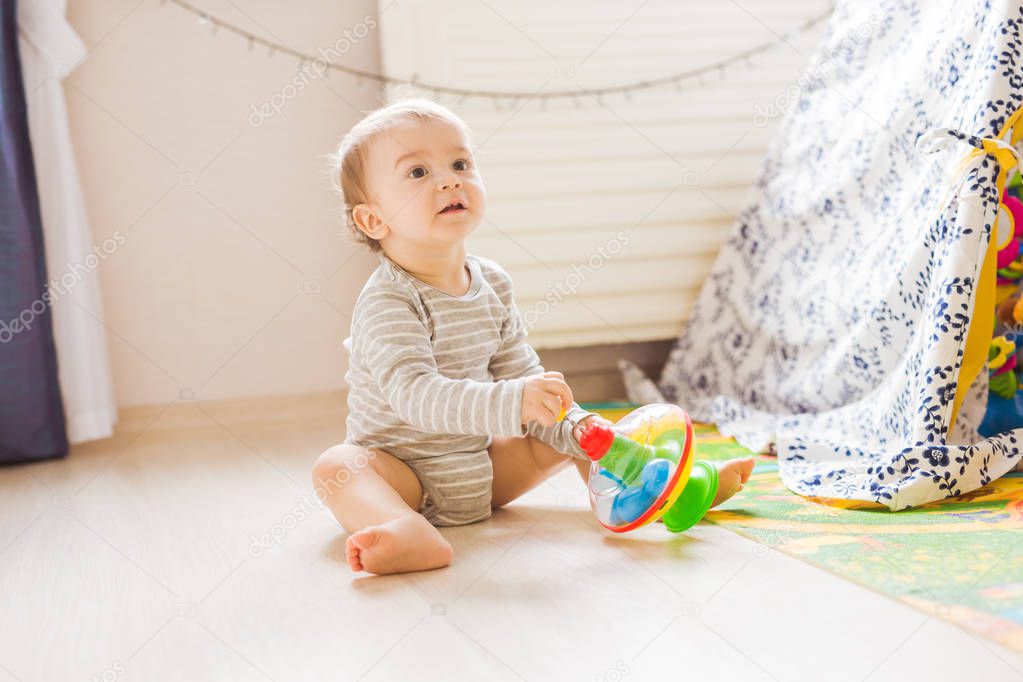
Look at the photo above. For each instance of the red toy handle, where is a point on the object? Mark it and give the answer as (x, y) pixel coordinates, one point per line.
(596, 440)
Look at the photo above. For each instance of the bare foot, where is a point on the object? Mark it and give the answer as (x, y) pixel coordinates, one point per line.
(732, 475)
(408, 543)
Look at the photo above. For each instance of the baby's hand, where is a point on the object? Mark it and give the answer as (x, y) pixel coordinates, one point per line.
(577, 432)
(543, 397)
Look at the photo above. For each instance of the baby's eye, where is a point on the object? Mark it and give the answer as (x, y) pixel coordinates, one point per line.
(417, 172)
(461, 165)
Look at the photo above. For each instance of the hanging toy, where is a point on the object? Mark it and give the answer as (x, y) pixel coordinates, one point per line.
(1001, 363)
(1008, 232)
(643, 470)
(1010, 312)
(1005, 400)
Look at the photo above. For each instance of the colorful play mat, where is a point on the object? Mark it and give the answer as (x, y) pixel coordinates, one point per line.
(959, 559)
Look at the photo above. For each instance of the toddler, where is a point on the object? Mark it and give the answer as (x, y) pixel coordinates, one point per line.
(450, 413)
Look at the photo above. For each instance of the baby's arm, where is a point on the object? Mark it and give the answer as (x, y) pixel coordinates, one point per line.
(516, 359)
(395, 344)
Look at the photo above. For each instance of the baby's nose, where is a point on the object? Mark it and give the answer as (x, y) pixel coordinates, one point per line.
(448, 181)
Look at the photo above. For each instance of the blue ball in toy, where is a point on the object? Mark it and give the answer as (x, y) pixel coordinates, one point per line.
(630, 504)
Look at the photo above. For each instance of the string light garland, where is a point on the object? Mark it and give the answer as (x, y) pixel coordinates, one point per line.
(514, 96)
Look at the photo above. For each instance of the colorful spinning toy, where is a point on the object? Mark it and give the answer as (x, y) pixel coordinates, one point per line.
(643, 470)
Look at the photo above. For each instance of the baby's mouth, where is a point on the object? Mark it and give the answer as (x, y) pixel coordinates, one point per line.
(454, 207)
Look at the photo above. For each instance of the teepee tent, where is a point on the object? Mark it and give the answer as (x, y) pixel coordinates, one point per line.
(847, 321)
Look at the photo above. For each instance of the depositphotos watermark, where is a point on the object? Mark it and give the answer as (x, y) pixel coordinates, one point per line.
(306, 506)
(112, 673)
(557, 291)
(614, 674)
(74, 273)
(311, 71)
(815, 71)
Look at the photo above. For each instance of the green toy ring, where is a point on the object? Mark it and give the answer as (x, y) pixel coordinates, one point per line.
(695, 499)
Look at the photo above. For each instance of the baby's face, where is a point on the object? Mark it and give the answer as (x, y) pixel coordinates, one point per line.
(417, 170)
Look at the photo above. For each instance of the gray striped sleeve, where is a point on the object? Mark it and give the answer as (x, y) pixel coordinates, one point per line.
(516, 359)
(394, 345)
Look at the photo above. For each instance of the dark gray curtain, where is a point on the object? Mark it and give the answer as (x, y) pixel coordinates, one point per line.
(31, 412)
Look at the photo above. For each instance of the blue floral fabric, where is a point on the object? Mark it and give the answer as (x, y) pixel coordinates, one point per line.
(832, 326)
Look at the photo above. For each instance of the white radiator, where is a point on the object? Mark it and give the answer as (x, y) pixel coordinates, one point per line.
(608, 214)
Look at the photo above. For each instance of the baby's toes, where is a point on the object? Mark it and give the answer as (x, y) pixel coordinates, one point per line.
(746, 469)
(353, 555)
(365, 538)
(732, 475)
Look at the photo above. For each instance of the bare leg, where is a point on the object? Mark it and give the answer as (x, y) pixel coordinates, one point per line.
(374, 496)
(583, 466)
(521, 464)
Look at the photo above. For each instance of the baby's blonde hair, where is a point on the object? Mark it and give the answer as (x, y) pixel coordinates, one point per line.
(349, 162)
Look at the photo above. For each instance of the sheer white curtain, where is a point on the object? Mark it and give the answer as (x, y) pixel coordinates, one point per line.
(50, 49)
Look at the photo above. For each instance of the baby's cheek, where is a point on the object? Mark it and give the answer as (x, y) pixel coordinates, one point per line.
(479, 192)
(411, 209)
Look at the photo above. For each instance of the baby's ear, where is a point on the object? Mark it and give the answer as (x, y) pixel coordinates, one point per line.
(368, 221)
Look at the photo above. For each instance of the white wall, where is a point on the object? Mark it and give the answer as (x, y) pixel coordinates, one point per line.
(225, 225)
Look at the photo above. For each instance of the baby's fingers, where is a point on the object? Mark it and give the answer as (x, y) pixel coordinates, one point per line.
(543, 409)
(552, 407)
(559, 388)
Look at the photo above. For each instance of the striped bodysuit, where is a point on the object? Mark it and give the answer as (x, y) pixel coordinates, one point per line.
(433, 377)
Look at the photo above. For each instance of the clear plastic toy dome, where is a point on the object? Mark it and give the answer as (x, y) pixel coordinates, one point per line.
(642, 465)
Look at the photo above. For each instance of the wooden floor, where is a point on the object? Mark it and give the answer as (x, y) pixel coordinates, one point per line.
(189, 547)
